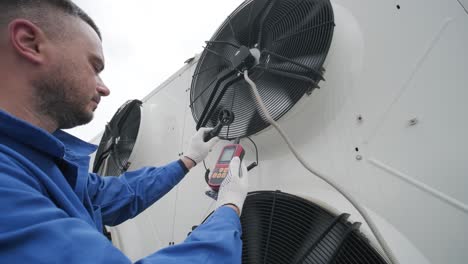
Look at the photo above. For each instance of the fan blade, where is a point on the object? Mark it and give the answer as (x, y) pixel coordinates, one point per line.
(113, 166)
(203, 118)
(256, 121)
(249, 23)
(293, 75)
(303, 22)
(223, 42)
(263, 16)
(232, 29)
(99, 159)
(124, 149)
(288, 64)
(103, 168)
(296, 33)
(228, 62)
(305, 250)
(220, 96)
(118, 139)
(200, 71)
(202, 92)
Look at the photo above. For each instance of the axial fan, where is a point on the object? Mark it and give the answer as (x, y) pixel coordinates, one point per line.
(112, 157)
(283, 45)
(282, 228)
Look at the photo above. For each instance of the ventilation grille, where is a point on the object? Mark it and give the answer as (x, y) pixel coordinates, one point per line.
(282, 228)
(116, 146)
(293, 38)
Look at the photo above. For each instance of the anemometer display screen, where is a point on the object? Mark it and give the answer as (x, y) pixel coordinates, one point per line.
(227, 154)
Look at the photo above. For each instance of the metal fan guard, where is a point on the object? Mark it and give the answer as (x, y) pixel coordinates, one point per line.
(293, 36)
(282, 228)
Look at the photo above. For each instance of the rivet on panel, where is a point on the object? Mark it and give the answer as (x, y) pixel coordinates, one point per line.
(413, 122)
(360, 118)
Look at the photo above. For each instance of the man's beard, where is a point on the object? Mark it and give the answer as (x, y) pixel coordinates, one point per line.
(58, 99)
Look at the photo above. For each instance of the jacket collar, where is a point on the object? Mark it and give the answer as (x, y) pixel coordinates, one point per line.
(58, 144)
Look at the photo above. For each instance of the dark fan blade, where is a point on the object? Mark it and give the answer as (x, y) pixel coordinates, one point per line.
(209, 105)
(296, 64)
(118, 140)
(222, 42)
(124, 148)
(293, 75)
(113, 166)
(219, 97)
(100, 158)
(224, 58)
(304, 21)
(263, 16)
(282, 41)
(256, 121)
(104, 148)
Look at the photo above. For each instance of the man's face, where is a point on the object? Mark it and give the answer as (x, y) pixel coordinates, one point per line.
(70, 89)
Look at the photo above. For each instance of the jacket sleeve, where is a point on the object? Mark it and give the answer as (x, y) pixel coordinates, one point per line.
(218, 240)
(34, 230)
(125, 196)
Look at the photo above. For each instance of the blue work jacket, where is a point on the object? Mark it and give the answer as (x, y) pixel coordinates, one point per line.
(52, 209)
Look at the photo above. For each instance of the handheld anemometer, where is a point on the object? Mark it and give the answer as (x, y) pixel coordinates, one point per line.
(222, 165)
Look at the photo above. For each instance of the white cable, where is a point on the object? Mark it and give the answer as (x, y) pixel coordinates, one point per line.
(372, 226)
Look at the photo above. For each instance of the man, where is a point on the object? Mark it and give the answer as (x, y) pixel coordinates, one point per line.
(52, 208)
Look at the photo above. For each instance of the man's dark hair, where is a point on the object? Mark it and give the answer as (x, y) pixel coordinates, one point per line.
(41, 10)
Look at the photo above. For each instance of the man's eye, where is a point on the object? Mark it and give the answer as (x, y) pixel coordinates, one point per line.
(97, 68)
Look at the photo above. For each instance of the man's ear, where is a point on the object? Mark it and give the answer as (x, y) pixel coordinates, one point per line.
(27, 40)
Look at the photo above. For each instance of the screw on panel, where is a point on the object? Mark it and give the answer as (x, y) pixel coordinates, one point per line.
(359, 157)
(413, 122)
(360, 118)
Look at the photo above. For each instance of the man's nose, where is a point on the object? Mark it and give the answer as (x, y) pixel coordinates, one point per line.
(103, 90)
(101, 87)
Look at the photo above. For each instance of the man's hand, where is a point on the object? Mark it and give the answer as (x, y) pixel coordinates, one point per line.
(189, 163)
(233, 190)
(198, 149)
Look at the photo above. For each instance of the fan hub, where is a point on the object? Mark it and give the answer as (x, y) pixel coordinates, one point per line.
(243, 59)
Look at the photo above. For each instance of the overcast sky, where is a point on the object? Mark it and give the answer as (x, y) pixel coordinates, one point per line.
(145, 42)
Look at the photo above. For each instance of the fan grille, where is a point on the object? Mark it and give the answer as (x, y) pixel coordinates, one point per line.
(118, 140)
(293, 36)
(282, 228)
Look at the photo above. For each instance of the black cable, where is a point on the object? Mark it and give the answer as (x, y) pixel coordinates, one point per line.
(207, 173)
(254, 164)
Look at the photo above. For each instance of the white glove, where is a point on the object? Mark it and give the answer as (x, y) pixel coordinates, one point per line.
(198, 149)
(234, 187)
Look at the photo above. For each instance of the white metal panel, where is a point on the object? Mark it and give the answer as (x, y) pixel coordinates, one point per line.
(158, 143)
(435, 99)
(464, 4)
(387, 65)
